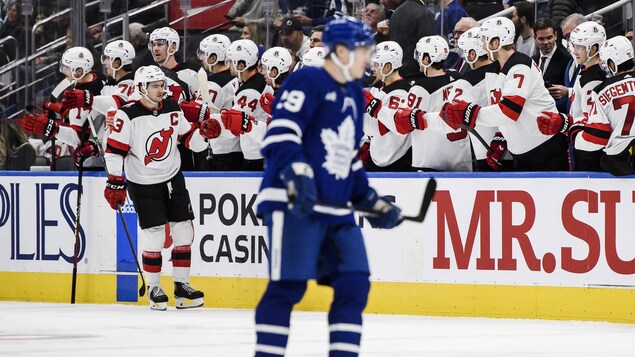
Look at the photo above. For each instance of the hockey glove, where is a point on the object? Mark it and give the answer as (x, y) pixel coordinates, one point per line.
(265, 102)
(373, 105)
(301, 190)
(56, 108)
(551, 123)
(210, 129)
(364, 152)
(115, 191)
(39, 124)
(236, 121)
(460, 113)
(85, 150)
(407, 120)
(388, 215)
(77, 98)
(499, 149)
(195, 112)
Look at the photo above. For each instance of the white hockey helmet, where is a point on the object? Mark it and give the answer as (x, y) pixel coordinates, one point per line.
(388, 52)
(278, 58)
(314, 57)
(469, 41)
(147, 74)
(74, 58)
(168, 34)
(435, 46)
(119, 49)
(617, 49)
(213, 45)
(242, 50)
(588, 34)
(498, 27)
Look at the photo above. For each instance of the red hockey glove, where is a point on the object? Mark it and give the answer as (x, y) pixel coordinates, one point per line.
(85, 150)
(407, 120)
(56, 108)
(236, 121)
(77, 98)
(373, 105)
(364, 152)
(210, 129)
(551, 123)
(499, 148)
(195, 112)
(460, 113)
(115, 191)
(39, 124)
(265, 102)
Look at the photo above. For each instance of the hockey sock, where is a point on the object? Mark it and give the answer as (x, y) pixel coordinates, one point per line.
(350, 294)
(152, 267)
(181, 261)
(273, 314)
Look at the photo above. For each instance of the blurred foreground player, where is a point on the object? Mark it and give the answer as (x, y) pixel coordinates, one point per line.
(144, 138)
(310, 149)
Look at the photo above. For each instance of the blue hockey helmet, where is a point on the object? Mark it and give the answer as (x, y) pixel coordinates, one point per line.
(347, 31)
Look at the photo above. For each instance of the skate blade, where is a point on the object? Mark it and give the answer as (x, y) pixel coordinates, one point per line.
(159, 306)
(183, 303)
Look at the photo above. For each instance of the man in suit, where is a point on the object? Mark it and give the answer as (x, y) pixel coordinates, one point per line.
(551, 58)
(455, 60)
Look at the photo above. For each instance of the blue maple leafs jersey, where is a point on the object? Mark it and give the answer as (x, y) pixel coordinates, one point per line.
(318, 121)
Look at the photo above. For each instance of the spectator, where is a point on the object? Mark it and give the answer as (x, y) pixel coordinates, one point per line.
(13, 27)
(316, 37)
(558, 10)
(455, 59)
(523, 19)
(371, 16)
(410, 22)
(15, 151)
(251, 32)
(629, 35)
(139, 40)
(245, 12)
(561, 93)
(292, 36)
(551, 59)
(452, 13)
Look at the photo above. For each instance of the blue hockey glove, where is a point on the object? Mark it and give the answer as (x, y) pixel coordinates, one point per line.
(298, 177)
(389, 215)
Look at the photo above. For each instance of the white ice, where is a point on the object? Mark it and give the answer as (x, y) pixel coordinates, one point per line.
(42, 329)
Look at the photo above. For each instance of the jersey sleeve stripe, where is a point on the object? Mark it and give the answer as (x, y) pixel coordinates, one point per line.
(512, 106)
(272, 139)
(185, 138)
(115, 147)
(597, 133)
(286, 123)
(120, 102)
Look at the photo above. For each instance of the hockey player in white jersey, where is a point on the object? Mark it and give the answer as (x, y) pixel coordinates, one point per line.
(314, 57)
(586, 38)
(143, 142)
(611, 116)
(483, 87)
(389, 150)
(276, 64)
(523, 98)
(164, 43)
(246, 118)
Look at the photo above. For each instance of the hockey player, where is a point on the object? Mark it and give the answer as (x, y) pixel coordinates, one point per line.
(310, 147)
(523, 98)
(482, 85)
(164, 43)
(143, 141)
(246, 118)
(611, 116)
(314, 57)
(586, 38)
(276, 64)
(389, 150)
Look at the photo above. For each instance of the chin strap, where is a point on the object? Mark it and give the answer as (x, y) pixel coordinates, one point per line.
(346, 68)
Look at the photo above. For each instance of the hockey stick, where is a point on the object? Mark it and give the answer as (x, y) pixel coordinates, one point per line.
(142, 289)
(80, 190)
(203, 89)
(425, 204)
(61, 86)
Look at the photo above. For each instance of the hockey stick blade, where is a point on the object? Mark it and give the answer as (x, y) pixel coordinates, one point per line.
(203, 88)
(61, 86)
(428, 195)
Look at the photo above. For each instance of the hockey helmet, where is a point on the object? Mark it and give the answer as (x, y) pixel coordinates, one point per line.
(470, 40)
(346, 31)
(278, 58)
(388, 52)
(213, 45)
(168, 34)
(617, 49)
(498, 27)
(147, 74)
(588, 34)
(243, 50)
(435, 46)
(314, 57)
(74, 58)
(119, 49)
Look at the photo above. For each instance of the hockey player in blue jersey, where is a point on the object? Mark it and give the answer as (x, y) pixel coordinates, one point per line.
(309, 151)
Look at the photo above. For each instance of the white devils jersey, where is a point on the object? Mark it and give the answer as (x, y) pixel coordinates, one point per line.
(582, 101)
(147, 139)
(222, 86)
(482, 85)
(611, 118)
(247, 99)
(386, 145)
(523, 97)
(115, 94)
(438, 147)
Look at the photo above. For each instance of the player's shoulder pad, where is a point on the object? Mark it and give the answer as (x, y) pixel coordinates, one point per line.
(593, 73)
(477, 75)
(612, 80)
(517, 59)
(221, 78)
(169, 105)
(256, 82)
(432, 84)
(396, 85)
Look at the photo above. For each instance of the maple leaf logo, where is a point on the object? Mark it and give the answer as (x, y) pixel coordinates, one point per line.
(340, 148)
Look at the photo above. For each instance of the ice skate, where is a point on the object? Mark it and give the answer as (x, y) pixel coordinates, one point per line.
(158, 299)
(186, 296)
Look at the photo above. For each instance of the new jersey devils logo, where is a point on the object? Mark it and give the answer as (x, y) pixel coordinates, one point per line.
(158, 145)
(495, 96)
